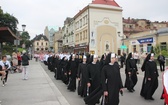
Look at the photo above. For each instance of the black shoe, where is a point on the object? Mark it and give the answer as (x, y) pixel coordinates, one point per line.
(152, 98)
(131, 91)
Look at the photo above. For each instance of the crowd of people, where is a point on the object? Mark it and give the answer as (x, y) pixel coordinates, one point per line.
(101, 77)
(96, 77)
(19, 63)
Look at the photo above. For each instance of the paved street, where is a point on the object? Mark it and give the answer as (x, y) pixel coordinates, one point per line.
(38, 90)
(43, 89)
(127, 99)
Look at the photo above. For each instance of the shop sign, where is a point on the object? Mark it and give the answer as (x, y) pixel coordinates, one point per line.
(145, 40)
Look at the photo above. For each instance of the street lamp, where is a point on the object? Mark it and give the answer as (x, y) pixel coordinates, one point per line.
(23, 27)
(122, 36)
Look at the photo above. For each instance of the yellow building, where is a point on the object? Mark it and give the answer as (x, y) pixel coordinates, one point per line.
(142, 42)
(58, 41)
(96, 28)
(40, 43)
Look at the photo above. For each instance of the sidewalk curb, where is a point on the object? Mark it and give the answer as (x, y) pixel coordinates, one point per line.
(57, 93)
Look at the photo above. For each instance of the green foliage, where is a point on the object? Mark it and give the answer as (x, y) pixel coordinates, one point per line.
(7, 20)
(8, 49)
(158, 50)
(152, 49)
(25, 39)
(20, 49)
(165, 53)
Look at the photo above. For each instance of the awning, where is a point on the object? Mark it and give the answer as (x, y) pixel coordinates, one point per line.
(6, 35)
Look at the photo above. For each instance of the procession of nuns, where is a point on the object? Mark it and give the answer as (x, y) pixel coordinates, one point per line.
(99, 81)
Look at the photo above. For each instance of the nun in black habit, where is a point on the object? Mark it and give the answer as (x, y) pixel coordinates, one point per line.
(131, 73)
(93, 77)
(102, 61)
(151, 78)
(72, 73)
(82, 83)
(57, 61)
(61, 64)
(64, 71)
(111, 82)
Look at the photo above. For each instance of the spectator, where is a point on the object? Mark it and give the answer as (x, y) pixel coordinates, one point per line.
(136, 57)
(19, 61)
(3, 73)
(25, 64)
(161, 60)
(5, 66)
(14, 60)
(122, 60)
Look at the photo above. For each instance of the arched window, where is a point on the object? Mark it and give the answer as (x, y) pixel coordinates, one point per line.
(37, 43)
(37, 49)
(42, 43)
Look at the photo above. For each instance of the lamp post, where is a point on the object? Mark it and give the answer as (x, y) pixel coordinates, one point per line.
(17, 42)
(23, 27)
(122, 38)
(31, 51)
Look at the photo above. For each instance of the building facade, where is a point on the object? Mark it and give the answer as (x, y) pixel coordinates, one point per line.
(96, 28)
(40, 43)
(49, 32)
(58, 43)
(68, 35)
(143, 42)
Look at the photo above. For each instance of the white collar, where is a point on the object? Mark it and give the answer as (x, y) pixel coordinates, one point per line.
(111, 63)
(93, 63)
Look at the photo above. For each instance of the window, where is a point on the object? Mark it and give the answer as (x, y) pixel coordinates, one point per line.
(134, 48)
(141, 48)
(80, 23)
(46, 44)
(163, 45)
(149, 46)
(37, 43)
(83, 35)
(80, 36)
(124, 25)
(86, 19)
(86, 34)
(42, 43)
(130, 26)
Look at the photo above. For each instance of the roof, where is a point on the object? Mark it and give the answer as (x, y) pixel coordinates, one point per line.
(105, 2)
(162, 30)
(38, 37)
(6, 35)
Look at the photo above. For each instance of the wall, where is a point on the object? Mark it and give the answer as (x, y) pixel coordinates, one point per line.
(106, 16)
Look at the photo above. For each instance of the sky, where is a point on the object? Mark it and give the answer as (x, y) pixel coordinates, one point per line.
(37, 14)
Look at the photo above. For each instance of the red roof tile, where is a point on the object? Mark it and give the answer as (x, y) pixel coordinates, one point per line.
(106, 2)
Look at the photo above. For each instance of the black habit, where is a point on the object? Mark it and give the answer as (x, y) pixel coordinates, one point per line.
(150, 86)
(112, 83)
(82, 74)
(73, 70)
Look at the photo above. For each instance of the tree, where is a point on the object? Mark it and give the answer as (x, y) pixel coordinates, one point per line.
(25, 39)
(7, 20)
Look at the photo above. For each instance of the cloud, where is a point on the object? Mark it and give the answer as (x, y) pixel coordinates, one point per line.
(37, 14)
